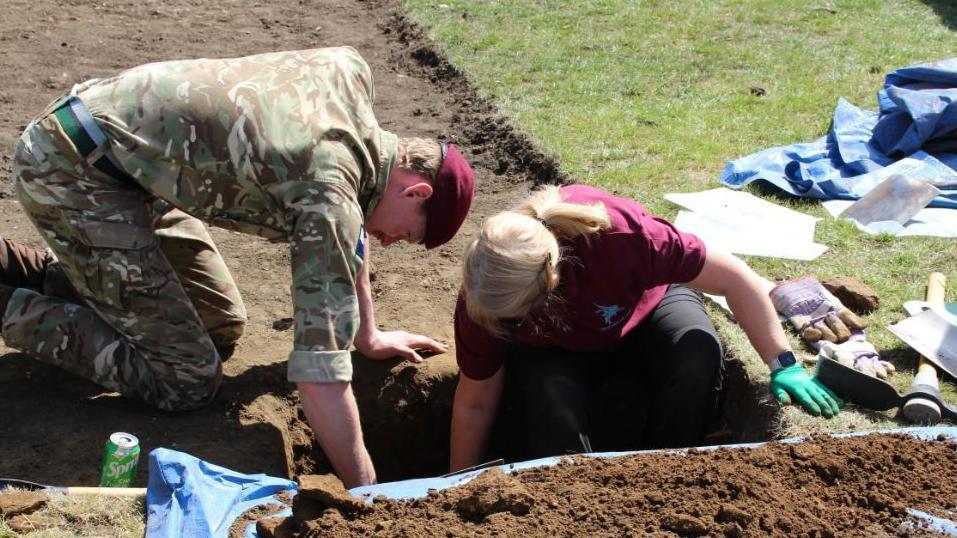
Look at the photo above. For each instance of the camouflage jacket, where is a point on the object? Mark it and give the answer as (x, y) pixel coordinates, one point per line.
(283, 145)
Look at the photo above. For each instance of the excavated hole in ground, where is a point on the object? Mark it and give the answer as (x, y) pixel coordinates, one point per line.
(406, 412)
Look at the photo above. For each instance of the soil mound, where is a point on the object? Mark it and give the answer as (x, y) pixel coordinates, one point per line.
(854, 486)
(328, 491)
(492, 492)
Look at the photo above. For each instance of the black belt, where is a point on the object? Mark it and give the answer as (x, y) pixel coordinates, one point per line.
(84, 133)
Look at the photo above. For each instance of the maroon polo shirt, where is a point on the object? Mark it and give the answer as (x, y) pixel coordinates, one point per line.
(610, 282)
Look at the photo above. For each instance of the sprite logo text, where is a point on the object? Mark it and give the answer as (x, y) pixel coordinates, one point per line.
(116, 469)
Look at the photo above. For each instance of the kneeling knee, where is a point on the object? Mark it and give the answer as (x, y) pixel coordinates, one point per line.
(698, 358)
(191, 391)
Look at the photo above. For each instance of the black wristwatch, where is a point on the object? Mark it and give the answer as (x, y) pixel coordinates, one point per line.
(783, 360)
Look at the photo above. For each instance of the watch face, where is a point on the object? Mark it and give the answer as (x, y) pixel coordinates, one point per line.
(786, 359)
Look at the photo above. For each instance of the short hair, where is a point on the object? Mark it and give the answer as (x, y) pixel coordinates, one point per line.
(421, 156)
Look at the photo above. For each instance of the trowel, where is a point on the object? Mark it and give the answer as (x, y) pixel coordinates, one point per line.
(872, 392)
(896, 199)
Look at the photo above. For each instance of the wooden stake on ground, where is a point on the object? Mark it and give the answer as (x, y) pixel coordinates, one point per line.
(110, 492)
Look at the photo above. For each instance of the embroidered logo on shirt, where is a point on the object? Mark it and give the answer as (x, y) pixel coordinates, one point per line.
(611, 315)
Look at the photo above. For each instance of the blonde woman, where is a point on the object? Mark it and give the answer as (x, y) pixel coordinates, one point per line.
(575, 287)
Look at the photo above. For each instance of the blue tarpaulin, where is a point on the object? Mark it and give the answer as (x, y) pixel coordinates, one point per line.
(189, 497)
(913, 133)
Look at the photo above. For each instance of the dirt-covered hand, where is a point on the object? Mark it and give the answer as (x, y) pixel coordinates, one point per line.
(794, 382)
(859, 354)
(391, 344)
(814, 312)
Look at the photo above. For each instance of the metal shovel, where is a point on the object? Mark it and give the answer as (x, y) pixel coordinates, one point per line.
(896, 199)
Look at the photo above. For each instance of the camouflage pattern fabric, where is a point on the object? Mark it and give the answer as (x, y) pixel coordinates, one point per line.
(190, 250)
(207, 281)
(283, 145)
(136, 331)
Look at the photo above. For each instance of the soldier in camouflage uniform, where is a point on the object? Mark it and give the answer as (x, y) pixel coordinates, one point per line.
(118, 175)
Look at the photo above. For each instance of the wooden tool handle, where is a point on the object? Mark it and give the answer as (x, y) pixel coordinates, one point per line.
(936, 288)
(112, 492)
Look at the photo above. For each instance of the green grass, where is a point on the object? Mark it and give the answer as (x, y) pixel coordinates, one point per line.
(82, 516)
(648, 97)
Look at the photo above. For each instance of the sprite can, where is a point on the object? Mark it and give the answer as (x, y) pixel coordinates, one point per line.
(120, 457)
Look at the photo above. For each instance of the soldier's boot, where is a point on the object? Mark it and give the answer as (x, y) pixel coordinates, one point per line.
(22, 266)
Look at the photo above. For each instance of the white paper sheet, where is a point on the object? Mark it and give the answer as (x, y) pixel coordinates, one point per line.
(718, 203)
(719, 300)
(750, 237)
(930, 221)
(742, 223)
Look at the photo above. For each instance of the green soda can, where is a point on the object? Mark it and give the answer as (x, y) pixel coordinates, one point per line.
(120, 457)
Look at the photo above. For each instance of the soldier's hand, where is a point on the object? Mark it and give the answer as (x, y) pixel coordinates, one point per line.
(391, 344)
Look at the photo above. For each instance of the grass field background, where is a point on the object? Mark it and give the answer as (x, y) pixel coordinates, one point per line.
(649, 97)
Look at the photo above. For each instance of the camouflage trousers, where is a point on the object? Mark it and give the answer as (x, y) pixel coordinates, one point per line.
(152, 302)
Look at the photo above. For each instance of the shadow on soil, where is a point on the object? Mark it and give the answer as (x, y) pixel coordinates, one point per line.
(48, 392)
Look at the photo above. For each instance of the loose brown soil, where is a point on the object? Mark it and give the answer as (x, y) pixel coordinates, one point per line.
(858, 486)
(14, 502)
(53, 425)
(262, 512)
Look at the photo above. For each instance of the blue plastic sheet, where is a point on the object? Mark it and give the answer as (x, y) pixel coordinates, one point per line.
(917, 120)
(189, 497)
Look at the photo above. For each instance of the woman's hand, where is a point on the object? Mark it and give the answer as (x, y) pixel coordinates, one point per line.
(795, 383)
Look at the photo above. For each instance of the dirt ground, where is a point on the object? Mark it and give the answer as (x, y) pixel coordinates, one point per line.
(53, 425)
(824, 487)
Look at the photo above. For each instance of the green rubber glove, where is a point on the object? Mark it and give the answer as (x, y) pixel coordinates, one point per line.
(794, 381)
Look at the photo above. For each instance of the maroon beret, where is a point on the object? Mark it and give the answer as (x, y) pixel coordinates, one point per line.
(451, 198)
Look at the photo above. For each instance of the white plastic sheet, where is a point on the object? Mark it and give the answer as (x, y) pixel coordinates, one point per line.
(741, 223)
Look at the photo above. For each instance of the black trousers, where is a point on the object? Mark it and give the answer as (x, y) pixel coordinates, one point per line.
(659, 389)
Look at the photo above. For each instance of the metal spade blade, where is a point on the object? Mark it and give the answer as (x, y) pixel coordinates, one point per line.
(857, 387)
(897, 199)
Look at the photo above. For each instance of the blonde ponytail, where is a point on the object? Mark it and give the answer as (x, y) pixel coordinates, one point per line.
(564, 218)
(513, 265)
